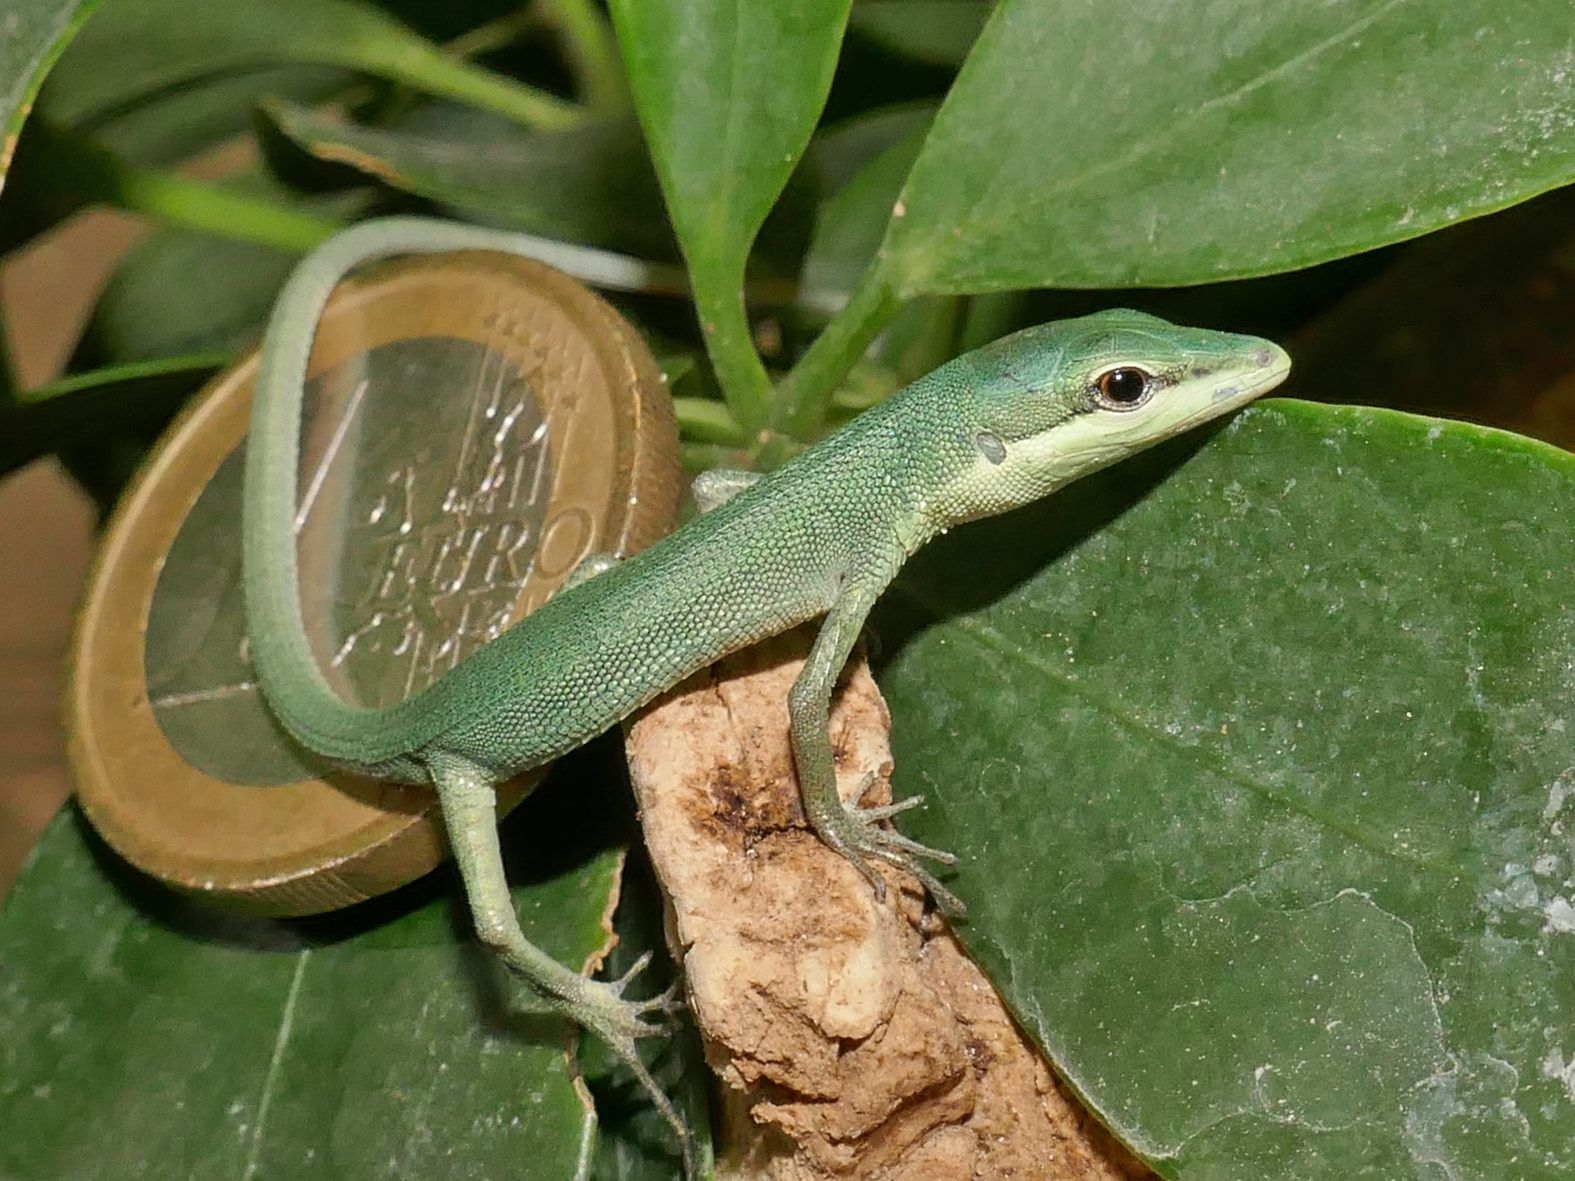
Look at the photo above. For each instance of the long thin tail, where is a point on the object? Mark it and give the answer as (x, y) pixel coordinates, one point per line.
(293, 683)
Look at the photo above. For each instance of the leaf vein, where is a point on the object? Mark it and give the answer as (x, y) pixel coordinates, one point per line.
(271, 1079)
(1141, 147)
(1129, 719)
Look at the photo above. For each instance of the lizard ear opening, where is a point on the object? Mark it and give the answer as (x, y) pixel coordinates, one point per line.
(991, 447)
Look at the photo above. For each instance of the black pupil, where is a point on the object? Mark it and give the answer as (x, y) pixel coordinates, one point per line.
(1123, 385)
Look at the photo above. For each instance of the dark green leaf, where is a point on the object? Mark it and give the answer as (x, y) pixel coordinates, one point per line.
(1263, 782)
(176, 125)
(728, 93)
(134, 398)
(851, 222)
(1092, 144)
(592, 184)
(32, 35)
(634, 1143)
(177, 291)
(135, 49)
(838, 152)
(937, 31)
(141, 1037)
(180, 291)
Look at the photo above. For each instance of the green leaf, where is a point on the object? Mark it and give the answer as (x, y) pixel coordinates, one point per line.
(1096, 144)
(592, 185)
(177, 291)
(32, 36)
(840, 151)
(936, 31)
(136, 49)
(1262, 776)
(725, 138)
(143, 1037)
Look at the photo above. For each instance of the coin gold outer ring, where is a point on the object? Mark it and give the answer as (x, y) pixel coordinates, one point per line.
(312, 846)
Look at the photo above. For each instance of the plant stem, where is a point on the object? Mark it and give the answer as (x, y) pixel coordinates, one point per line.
(178, 201)
(433, 71)
(708, 421)
(494, 34)
(725, 325)
(593, 55)
(803, 396)
(90, 172)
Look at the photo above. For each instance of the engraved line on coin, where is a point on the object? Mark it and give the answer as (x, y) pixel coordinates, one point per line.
(319, 474)
(196, 696)
(341, 429)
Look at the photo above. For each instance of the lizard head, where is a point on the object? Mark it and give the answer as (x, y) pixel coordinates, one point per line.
(1055, 402)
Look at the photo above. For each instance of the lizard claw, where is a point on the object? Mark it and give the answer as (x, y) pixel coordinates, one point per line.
(887, 811)
(644, 1018)
(635, 969)
(854, 834)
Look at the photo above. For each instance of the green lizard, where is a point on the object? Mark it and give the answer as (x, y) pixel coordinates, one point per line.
(820, 537)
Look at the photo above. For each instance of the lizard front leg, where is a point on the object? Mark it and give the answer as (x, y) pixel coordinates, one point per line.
(467, 794)
(590, 566)
(712, 489)
(849, 829)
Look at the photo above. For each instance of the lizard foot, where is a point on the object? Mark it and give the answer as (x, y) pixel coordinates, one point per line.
(600, 1006)
(853, 831)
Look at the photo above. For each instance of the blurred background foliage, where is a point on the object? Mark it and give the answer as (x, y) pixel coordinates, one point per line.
(1175, 154)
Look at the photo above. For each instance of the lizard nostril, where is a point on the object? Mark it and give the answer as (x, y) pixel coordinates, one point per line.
(1263, 358)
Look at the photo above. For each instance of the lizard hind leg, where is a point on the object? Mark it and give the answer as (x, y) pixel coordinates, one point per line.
(468, 799)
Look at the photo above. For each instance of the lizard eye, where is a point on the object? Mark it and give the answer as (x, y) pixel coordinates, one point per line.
(1125, 387)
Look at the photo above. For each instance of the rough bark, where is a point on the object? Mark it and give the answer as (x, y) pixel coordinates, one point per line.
(852, 1038)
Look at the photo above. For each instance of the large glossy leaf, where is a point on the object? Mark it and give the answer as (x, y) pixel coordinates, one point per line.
(141, 1037)
(1094, 143)
(1263, 784)
(135, 49)
(32, 35)
(728, 92)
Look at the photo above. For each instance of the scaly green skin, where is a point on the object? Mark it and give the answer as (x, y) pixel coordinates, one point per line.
(822, 536)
